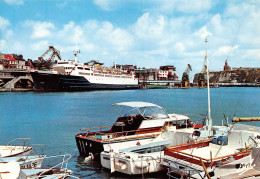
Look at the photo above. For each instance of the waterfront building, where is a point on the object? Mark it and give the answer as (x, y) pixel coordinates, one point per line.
(226, 67)
(13, 61)
(167, 72)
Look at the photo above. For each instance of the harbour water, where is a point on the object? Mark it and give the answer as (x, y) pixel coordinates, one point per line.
(55, 118)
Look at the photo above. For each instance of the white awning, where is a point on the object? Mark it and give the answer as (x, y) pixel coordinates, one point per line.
(136, 104)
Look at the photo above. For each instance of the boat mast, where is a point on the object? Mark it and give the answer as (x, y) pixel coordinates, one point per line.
(209, 112)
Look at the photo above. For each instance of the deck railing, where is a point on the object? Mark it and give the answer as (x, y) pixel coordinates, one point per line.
(111, 136)
(21, 143)
(192, 159)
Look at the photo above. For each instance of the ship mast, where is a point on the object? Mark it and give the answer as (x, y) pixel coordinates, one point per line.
(76, 53)
(209, 111)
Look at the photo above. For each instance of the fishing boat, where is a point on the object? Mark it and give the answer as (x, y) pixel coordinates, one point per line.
(214, 157)
(145, 158)
(18, 149)
(70, 75)
(137, 124)
(58, 169)
(34, 161)
(27, 160)
(251, 170)
(12, 169)
(136, 160)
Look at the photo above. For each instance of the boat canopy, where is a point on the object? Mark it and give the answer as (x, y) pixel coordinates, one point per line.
(147, 110)
(136, 104)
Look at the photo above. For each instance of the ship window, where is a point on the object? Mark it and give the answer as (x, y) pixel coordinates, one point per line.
(63, 63)
(81, 68)
(84, 73)
(87, 69)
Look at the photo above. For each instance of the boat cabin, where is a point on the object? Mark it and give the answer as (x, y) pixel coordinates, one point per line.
(133, 115)
(139, 118)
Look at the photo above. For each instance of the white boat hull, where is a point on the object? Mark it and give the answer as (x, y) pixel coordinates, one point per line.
(11, 151)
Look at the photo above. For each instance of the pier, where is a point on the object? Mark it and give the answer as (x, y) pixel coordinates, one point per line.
(15, 81)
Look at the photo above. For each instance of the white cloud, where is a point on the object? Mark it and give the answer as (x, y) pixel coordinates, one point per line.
(217, 24)
(4, 23)
(62, 4)
(184, 6)
(225, 50)
(40, 29)
(203, 33)
(179, 46)
(197, 6)
(3, 45)
(14, 2)
(107, 5)
(40, 46)
(149, 27)
(19, 46)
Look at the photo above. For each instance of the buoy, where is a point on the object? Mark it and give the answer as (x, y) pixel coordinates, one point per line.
(138, 143)
(89, 158)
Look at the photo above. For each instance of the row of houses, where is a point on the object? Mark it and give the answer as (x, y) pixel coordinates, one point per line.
(14, 62)
(168, 72)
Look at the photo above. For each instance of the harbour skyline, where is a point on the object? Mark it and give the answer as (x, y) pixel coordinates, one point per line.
(143, 33)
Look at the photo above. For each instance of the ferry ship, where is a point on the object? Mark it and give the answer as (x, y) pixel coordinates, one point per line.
(69, 75)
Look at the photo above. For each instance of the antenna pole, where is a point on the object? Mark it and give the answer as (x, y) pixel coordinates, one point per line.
(209, 112)
(76, 53)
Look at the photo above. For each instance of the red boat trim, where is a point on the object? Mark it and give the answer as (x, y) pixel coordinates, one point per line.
(176, 152)
(29, 148)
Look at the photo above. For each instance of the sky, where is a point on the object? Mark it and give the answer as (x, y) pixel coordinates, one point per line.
(146, 33)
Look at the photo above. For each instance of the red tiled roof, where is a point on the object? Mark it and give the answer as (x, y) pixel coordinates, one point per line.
(9, 57)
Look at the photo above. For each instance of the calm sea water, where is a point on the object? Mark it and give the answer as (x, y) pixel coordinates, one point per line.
(55, 118)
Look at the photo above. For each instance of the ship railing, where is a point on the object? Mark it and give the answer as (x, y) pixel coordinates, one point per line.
(183, 172)
(35, 149)
(21, 142)
(110, 136)
(113, 136)
(88, 130)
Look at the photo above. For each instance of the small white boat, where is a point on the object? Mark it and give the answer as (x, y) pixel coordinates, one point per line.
(34, 161)
(57, 171)
(250, 170)
(213, 157)
(20, 148)
(136, 160)
(25, 159)
(9, 170)
(146, 157)
(12, 170)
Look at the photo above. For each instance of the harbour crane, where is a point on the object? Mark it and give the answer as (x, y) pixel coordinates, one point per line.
(185, 81)
(55, 53)
(42, 64)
